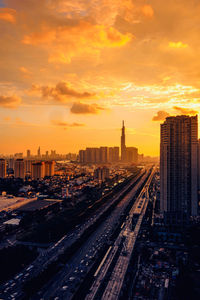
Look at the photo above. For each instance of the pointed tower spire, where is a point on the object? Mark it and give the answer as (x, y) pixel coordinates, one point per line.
(123, 144)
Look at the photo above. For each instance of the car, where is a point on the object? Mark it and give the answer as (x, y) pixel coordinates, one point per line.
(71, 278)
(15, 294)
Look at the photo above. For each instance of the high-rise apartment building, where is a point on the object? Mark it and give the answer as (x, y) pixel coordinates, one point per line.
(49, 168)
(11, 163)
(2, 168)
(82, 156)
(199, 165)
(38, 170)
(178, 167)
(28, 167)
(89, 155)
(123, 144)
(28, 153)
(101, 173)
(19, 171)
(18, 155)
(103, 154)
(132, 155)
(113, 154)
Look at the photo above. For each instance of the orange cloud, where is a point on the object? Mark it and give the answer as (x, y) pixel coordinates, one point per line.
(82, 108)
(177, 45)
(65, 124)
(65, 42)
(7, 118)
(185, 111)
(26, 73)
(8, 15)
(111, 9)
(10, 101)
(62, 92)
(161, 116)
(148, 11)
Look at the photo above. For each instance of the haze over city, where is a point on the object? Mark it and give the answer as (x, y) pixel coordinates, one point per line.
(72, 70)
(99, 150)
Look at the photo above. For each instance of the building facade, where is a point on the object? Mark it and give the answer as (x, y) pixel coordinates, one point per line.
(19, 168)
(113, 154)
(132, 155)
(49, 168)
(38, 170)
(101, 173)
(179, 167)
(2, 168)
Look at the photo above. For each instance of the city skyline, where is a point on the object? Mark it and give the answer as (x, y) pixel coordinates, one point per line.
(132, 64)
(100, 153)
(125, 157)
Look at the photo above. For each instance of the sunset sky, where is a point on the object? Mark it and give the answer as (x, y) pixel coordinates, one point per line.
(72, 70)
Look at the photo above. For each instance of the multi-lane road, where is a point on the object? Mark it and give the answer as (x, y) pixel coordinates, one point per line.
(68, 280)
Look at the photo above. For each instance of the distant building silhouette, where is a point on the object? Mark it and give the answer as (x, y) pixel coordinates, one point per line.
(38, 170)
(100, 155)
(113, 154)
(28, 167)
(123, 144)
(178, 168)
(28, 153)
(132, 155)
(2, 168)
(101, 173)
(19, 170)
(49, 168)
(38, 152)
(103, 154)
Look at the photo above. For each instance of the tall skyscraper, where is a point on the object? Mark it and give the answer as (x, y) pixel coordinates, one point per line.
(28, 153)
(47, 154)
(19, 171)
(178, 167)
(38, 152)
(2, 168)
(123, 144)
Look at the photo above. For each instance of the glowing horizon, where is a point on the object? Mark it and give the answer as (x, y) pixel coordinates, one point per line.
(72, 70)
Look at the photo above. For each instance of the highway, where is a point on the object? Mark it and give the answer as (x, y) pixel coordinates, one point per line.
(13, 289)
(64, 284)
(109, 279)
